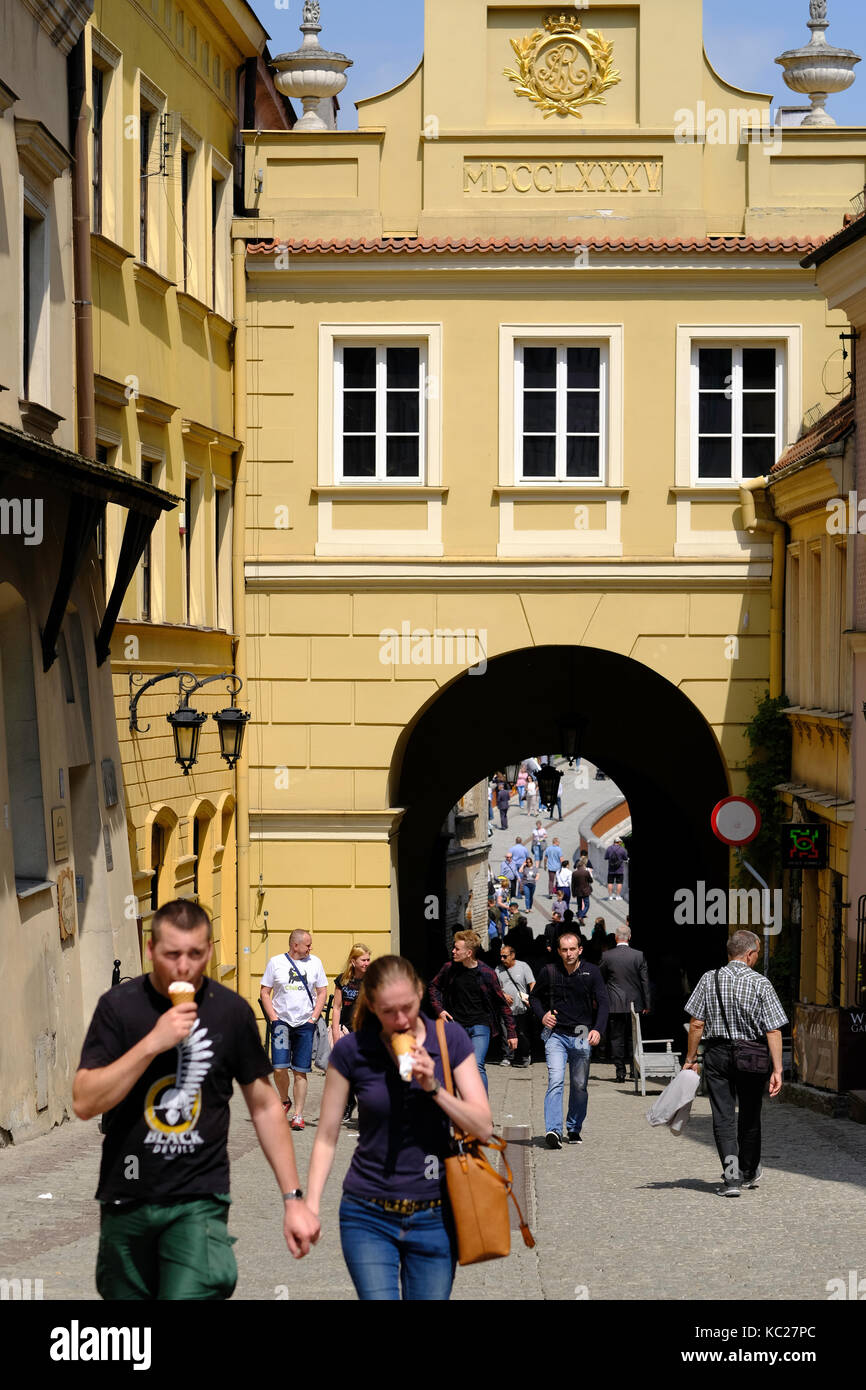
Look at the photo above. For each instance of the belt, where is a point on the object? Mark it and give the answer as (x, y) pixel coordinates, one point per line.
(403, 1206)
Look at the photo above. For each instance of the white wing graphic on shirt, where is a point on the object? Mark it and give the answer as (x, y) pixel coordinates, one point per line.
(194, 1057)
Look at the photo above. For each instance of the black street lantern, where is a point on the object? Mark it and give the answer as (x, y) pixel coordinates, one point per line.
(232, 723)
(549, 778)
(186, 726)
(511, 772)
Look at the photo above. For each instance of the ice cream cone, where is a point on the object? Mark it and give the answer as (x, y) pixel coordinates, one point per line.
(181, 992)
(402, 1043)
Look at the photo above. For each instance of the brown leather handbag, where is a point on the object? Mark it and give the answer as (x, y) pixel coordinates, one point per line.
(477, 1193)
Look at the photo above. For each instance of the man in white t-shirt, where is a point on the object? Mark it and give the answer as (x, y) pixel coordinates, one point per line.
(293, 993)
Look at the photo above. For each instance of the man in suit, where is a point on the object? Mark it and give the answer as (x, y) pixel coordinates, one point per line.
(625, 974)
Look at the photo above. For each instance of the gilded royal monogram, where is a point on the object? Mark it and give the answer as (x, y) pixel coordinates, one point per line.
(561, 69)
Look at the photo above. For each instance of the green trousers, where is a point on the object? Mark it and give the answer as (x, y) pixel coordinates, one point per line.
(166, 1250)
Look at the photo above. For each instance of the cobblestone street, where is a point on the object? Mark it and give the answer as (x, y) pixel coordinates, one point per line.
(631, 1214)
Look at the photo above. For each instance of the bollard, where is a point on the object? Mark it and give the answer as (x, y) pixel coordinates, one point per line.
(518, 1139)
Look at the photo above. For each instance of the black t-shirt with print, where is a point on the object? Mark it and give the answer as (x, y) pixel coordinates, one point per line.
(167, 1138)
(467, 1003)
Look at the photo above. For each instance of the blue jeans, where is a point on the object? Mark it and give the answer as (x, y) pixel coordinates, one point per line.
(528, 894)
(479, 1036)
(559, 1048)
(385, 1251)
(582, 906)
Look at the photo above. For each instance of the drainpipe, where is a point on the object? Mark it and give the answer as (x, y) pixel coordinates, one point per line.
(84, 384)
(777, 529)
(242, 781)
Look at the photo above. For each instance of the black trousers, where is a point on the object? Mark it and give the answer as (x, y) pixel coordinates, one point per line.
(619, 1032)
(737, 1136)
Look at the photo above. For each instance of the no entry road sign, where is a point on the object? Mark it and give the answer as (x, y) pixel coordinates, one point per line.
(735, 821)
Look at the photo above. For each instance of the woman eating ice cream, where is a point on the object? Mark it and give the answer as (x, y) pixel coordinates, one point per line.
(395, 1225)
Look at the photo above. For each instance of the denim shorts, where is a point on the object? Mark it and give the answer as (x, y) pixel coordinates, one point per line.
(292, 1048)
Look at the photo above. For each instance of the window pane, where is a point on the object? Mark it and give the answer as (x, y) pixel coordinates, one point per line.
(583, 412)
(583, 366)
(759, 413)
(403, 367)
(581, 458)
(715, 367)
(714, 413)
(539, 412)
(359, 412)
(759, 369)
(359, 367)
(759, 455)
(403, 413)
(402, 457)
(539, 458)
(359, 456)
(539, 367)
(714, 458)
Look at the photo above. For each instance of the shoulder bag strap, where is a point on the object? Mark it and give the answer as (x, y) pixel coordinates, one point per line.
(299, 974)
(722, 1006)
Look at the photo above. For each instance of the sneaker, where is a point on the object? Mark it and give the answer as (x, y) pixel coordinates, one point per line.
(553, 1140)
(574, 1137)
(753, 1182)
(506, 1062)
(526, 1063)
(729, 1189)
(297, 1122)
(287, 1105)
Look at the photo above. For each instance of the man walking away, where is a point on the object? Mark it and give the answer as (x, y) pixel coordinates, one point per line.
(617, 857)
(553, 864)
(503, 797)
(740, 1018)
(468, 992)
(581, 887)
(293, 994)
(562, 1001)
(162, 1078)
(626, 978)
(516, 981)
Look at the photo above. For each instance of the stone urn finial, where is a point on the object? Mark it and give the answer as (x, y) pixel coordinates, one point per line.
(817, 69)
(311, 73)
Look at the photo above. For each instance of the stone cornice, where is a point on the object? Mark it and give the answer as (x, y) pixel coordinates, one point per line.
(102, 248)
(483, 575)
(809, 489)
(62, 20)
(326, 825)
(7, 97)
(156, 411)
(110, 393)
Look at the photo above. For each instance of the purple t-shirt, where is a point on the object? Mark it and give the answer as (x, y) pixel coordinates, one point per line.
(403, 1134)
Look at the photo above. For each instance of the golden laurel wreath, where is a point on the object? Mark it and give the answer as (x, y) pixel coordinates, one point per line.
(550, 71)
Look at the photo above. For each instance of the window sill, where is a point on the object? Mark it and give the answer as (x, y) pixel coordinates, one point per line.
(151, 279)
(567, 491)
(714, 490)
(195, 308)
(39, 420)
(29, 887)
(395, 492)
(222, 328)
(108, 251)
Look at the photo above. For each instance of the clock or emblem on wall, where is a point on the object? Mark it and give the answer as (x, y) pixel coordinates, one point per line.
(561, 68)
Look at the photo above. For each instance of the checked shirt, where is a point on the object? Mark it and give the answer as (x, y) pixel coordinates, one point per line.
(751, 1003)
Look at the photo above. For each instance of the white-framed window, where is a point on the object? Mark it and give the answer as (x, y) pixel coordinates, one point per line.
(150, 242)
(222, 542)
(561, 397)
(105, 98)
(220, 235)
(380, 412)
(151, 570)
(561, 405)
(35, 282)
(737, 409)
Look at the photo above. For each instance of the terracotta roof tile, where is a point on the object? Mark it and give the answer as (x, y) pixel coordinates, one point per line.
(832, 427)
(439, 246)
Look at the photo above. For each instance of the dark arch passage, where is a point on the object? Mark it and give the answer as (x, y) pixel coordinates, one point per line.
(638, 727)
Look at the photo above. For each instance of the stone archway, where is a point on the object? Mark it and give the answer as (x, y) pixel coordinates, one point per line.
(645, 733)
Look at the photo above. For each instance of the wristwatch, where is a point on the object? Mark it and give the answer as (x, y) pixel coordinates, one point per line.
(434, 1090)
(296, 1196)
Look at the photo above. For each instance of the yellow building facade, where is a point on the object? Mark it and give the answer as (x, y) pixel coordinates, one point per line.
(162, 89)
(513, 347)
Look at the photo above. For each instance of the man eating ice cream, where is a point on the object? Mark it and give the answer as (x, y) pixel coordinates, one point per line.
(159, 1060)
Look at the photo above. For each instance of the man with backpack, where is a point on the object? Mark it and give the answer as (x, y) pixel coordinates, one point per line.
(293, 994)
(617, 857)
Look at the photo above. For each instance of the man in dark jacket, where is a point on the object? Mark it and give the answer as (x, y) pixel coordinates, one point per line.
(468, 992)
(581, 887)
(626, 977)
(562, 1001)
